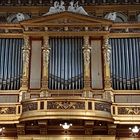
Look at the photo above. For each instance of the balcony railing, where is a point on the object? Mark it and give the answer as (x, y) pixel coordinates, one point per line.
(10, 113)
(126, 113)
(68, 108)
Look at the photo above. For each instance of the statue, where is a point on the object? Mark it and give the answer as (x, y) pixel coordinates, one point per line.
(20, 17)
(61, 6)
(71, 8)
(80, 9)
(76, 8)
(56, 8)
(111, 16)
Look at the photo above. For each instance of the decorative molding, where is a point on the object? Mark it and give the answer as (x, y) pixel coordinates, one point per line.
(87, 58)
(103, 107)
(26, 53)
(7, 110)
(29, 106)
(65, 105)
(106, 54)
(129, 110)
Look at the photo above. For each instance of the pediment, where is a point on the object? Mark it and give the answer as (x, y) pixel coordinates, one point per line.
(66, 18)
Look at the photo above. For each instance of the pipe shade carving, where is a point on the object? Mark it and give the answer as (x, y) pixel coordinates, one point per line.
(10, 63)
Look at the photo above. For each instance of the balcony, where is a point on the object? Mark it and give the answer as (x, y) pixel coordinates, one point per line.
(66, 108)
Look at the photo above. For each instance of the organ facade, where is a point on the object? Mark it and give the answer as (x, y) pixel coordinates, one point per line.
(79, 67)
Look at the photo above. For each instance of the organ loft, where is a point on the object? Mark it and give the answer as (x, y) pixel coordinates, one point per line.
(69, 70)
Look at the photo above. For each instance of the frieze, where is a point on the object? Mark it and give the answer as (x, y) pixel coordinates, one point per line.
(49, 2)
(11, 30)
(7, 110)
(65, 105)
(103, 107)
(129, 110)
(35, 29)
(29, 106)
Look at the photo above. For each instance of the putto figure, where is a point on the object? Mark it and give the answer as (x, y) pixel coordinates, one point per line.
(20, 17)
(58, 7)
(74, 7)
(111, 16)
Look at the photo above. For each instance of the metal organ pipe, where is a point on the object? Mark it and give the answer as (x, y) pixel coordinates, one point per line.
(10, 63)
(66, 63)
(125, 63)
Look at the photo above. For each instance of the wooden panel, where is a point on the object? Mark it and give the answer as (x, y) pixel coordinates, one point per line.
(35, 67)
(127, 98)
(96, 64)
(8, 98)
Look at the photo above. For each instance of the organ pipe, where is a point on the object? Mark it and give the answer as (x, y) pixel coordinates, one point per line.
(125, 63)
(10, 63)
(66, 63)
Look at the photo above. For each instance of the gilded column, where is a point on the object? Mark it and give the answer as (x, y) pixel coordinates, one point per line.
(46, 53)
(87, 55)
(26, 53)
(107, 54)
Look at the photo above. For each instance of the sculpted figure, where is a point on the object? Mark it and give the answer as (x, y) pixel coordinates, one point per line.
(56, 8)
(53, 9)
(80, 9)
(61, 6)
(76, 8)
(71, 7)
(111, 16)
(20, 16)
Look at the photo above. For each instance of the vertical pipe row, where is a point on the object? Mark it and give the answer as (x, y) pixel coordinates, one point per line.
(10, 63)
(125, 63)
(65, 66)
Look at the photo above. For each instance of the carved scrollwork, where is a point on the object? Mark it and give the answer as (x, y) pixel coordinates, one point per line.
(46, 52)
(129, 110)
(29, 106)
(107, 50)
(86, 51)
(65, 105)
(7, 110)
(103, 107)
(26, 56)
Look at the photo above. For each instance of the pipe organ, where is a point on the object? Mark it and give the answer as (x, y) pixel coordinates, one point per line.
(79, 66)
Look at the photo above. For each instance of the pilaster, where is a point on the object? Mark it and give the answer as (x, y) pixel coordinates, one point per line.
(87, 59)
(107, 59)
(26, 54)
(46, 53)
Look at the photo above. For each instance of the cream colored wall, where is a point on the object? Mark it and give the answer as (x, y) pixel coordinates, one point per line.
(66, 138)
